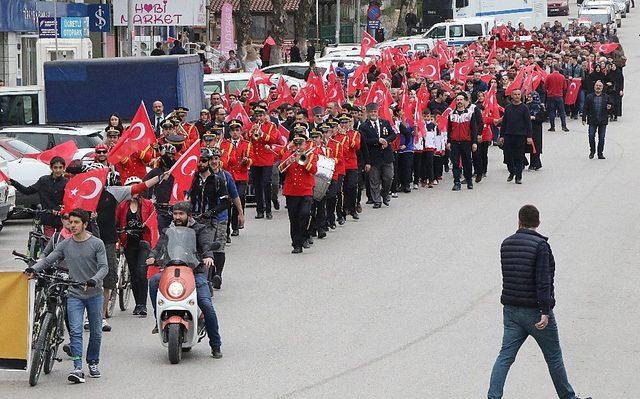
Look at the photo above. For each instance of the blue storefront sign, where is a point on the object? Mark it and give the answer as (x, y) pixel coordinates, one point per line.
(74, 27)
(47, 28)
(22, 15)
(99, 17)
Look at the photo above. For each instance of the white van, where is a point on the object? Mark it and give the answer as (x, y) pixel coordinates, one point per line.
(594, 15)
(410, 43)
(460, 31)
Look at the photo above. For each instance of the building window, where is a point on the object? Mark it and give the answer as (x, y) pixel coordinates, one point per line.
(4, 57)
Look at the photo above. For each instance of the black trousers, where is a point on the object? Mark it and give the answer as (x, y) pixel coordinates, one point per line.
(242, 193)
(332, 199)
(514, 148)
(418, 158)
(261, 179)
(405, 166)
(481, 158)
(298, 209)
(437, 166)
(136, 256)
(461, 150)
(350, 188)
(317, 217)
(340, 213)
(428, 173)
(363, 184)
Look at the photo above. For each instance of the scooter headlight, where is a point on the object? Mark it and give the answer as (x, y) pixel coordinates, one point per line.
(176, 289)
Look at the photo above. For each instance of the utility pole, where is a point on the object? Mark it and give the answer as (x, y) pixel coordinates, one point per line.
(356, 36)
(337, 21)
(130, 30)
(55, 21)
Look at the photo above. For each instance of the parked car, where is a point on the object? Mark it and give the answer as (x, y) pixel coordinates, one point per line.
(24, 170)
(47, 137)
(231, 82)
(407, 43)
(594, 15)
(7, 195)
(557, 7)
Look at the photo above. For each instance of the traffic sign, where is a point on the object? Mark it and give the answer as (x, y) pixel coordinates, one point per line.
(373, 12)
(373, 24)
(47, 28)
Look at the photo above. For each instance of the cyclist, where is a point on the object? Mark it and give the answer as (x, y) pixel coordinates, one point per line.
(182, 217)
(134, 214)
(50, 190)
(160, 195)
(86, 259)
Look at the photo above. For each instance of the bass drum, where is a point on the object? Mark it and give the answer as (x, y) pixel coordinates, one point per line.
(323, 176)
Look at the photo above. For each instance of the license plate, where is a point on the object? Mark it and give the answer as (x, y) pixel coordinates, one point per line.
(555, 10)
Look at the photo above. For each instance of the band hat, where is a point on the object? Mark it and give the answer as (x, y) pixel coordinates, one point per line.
(167, 124)
(300, 126)
(344, 118)
(315, 133)
(181, 109)
(205, 111)
(175, 139)
(113, 130)
(259, 110)
(235, 123)
(372, 107)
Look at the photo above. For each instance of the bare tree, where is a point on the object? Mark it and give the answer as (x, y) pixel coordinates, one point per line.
(243, 25)
(302, 21)
(401, 26)
(278, 30)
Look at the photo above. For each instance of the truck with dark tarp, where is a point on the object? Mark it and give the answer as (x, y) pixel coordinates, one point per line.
(88, 91)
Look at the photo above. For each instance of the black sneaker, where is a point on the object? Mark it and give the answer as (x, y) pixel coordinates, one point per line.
(478, 178)
(76, 376)
(260, 216)
(276, 204)
(510, 178)
(143, 311)
(105, 326)
(377, 205)
(600, 156)
(228, 239)
(518, 181)
(216, 353)
(136, 310)
(67, 349)
(456, 187)
(306, 245)
(369, 202)
(310, 241)
(321, 234)
(235, 233)
(565, 129)
(217, 282)
(341, 221)
(155, 329)
(94, 372)
(297, 250)
(355, 215)
(269, 216)
(551, 129)
(591, 154)
(470, 185)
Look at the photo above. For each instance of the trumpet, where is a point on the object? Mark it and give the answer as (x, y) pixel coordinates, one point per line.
(256, 134)
(301, 157)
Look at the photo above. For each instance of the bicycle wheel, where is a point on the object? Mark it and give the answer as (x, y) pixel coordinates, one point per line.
(54, 340)
(124, 285)
(37, 355)
(38, 309)
(113, 298)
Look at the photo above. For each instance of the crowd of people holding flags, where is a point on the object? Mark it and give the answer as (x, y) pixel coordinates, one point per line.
(397, 123)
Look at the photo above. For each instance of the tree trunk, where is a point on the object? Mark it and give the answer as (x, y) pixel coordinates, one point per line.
(278, 30)
(243, 26)
(401, 27)
(303, 22)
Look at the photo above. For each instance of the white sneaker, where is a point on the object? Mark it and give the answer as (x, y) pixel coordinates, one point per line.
(415, 186)
(105, 326)
(86, 324)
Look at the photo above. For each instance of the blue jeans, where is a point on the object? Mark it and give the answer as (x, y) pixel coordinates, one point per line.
(205, 303)
(602, 130)
(75, 314)
(556, 104)
(519, 323)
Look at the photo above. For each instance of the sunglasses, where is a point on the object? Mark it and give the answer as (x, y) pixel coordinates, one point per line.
(101, 152)
(203, 160)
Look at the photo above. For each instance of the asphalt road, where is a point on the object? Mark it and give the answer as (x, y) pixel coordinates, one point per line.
(405, 302)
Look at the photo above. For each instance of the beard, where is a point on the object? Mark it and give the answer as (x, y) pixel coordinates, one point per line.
(202, 169)
(180, 222)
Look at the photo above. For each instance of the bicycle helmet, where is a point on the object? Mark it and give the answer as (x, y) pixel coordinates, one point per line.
(132, 180)
(168, 149)
(93, 166)
(113, 178)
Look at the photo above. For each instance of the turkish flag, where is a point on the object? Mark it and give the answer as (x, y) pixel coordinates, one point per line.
(379, 94)
(335, 94)
(408, 107)
(84, 190)
(386, 57)
(269, 40)
(441, 50)
(307, 98)
(358, 80)
(261, 78)
(572, 91)
(152, 225)
(419, 120)
(607, 48)
(283, 90)
(3, 176)
(65, 150)
(254, 93)
(182, 172)
(462, 69)
(425, 67)
(385, 73)
(238, 112)
(443, 120)
(137, 137)
(516, 84)
(490, 104)
(423, 95)
(492, 53)
(314, 81)
(367, 42)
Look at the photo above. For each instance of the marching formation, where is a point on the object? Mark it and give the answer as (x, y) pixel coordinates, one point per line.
(396, 124)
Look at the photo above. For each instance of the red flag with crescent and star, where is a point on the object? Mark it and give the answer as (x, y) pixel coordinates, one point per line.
(238, 112)
(607, 48)
(137, 137)
(358, 80)
(462, 69)
(335, 93)
(367, 42)
(572, 91)
(261, 78)
(182, 172)
(84, 190)
(380, 95)
(425, 67)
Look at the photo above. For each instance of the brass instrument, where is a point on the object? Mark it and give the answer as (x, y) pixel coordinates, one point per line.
(302, 157)
(256, 131)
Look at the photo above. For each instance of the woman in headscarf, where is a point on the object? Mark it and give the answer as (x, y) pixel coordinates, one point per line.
(537, 114)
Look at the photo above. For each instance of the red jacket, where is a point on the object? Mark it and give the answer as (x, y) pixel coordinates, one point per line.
(343, 140)
(555, 83)
(335, 152)
(121, 218)
(300, 180)
(238, 171)
(135, 164)
(269, 135)
(351, 148)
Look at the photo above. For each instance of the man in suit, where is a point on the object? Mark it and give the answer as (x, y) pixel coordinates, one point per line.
(378, 135)
(158, 117)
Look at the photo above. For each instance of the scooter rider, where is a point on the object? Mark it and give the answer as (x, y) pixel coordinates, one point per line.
(182, 217)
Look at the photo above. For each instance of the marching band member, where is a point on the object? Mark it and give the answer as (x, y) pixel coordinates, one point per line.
(351, 148)
(331, 197)
(185, 128)
(317, 225)
(239, 164)
(340, 135)
(299, 166)
(263, 133)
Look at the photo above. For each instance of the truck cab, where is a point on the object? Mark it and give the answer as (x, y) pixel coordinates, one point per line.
(22, 105)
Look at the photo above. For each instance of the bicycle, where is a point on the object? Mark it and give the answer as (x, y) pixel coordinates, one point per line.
(122, 293)
(38, 303)
(37, 239)
(51, 335)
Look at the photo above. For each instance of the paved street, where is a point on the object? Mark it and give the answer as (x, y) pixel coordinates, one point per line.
(405, 302)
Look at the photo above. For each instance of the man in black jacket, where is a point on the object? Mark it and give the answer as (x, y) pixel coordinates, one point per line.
(50, 190)
(528, 269)
(515, 134)
(596, 114)
(378, 135)
(294, 53)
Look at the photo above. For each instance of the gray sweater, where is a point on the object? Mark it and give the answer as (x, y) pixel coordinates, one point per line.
(85, 260)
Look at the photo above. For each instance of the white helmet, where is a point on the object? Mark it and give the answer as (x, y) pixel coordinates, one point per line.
(132, 180)
(94, 166)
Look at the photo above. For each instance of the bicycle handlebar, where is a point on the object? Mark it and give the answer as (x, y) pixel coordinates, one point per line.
(36, 212)
(59, 280)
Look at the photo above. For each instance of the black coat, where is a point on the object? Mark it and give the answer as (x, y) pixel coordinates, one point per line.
(294, 54)
(593, 115)
(370, 137)
(50, 192)
(528, 269)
